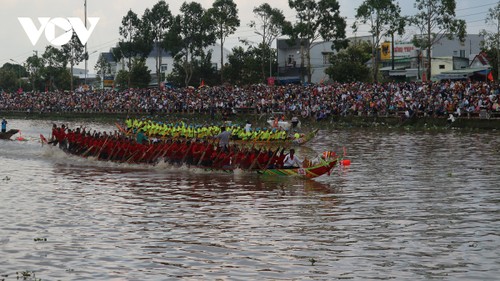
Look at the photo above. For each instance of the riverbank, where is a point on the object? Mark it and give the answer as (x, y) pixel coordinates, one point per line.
(259, 120)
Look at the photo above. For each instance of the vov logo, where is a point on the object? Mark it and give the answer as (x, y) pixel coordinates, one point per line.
(68, 25)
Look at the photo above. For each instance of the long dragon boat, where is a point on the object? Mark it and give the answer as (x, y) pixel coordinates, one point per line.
(200, 155)
(259, 137)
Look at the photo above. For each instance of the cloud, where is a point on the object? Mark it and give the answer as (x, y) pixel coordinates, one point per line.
(16, 45)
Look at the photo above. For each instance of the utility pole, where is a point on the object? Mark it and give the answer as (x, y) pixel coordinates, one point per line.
(270, 60)
(392, 50)
(18, 72)
(418, 63)
(35, 70)
(498, 48)
(277, 62)
(429, 64)
(86, 54)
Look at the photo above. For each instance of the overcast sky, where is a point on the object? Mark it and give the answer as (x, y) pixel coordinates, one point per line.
(15, 44)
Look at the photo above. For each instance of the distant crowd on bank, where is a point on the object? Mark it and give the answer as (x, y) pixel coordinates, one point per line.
(437, 99)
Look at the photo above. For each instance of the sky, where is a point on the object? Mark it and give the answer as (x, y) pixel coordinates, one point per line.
(15, 45)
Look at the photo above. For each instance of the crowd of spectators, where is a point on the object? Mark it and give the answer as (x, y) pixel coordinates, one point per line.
(315, 101)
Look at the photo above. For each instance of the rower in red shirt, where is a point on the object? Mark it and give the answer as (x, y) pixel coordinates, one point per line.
(206, 158)
(196, 151)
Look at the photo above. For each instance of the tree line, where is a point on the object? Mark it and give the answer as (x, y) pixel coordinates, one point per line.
(187, 35)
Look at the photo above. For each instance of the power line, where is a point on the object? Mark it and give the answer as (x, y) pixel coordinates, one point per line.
(476, 20)
(463, 16)
(102, 45)
(17, 57)
(24, 55)
(475, 7)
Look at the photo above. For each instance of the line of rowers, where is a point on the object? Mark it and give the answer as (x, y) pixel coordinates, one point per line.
(205, 153)
(159, 129)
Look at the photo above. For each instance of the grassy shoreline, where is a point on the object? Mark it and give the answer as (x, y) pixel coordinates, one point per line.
(259, 120)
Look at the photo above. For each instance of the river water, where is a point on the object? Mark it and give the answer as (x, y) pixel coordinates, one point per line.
(412, 206)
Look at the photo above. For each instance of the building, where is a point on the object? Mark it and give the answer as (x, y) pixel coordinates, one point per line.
(84, 80)
(408, 62)
(468, 48)
(403, 65)
(292, 61)
(166, 63)
(107, 80)
(478, 69)
(448, 56)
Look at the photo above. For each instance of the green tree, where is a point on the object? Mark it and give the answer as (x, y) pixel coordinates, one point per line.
(436, 19)
(54, 71)
(16, 68)
(491, 43)
(8, 79)
(203, 70)
(54, 57)
(316, 20)
(348, 65)
(224, 16)
(74, 51)
(156, 23)
(102, 67)
(382, 17)
(35, 66)
(192, 31)
(269, 26)
(234, 70)
(492, 55)
(122, 79)
(117, 54)
(244, 66)
(130, 32)
(19, 71)
(140, 75)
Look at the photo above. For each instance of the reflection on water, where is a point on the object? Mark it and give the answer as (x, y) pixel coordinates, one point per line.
(413, 205)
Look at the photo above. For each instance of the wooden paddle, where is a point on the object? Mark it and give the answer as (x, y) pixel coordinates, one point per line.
(102, 147)
(204, 152)
(144, 153)
(255, 160)
(187, 152)
(129, 160)
(87, 151)
(113, 150)
(271, 158)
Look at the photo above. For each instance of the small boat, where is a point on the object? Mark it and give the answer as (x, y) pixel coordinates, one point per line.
(305, 138)
(307, 173)
(324, 167)
(7, 135)
(285, 125)
(278, 122)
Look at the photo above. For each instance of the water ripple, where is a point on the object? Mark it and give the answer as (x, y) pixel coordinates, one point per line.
(413, 205)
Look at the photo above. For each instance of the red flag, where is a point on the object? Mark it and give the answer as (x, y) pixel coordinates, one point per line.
(43, 139)
(490, 76)
(202, 83)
